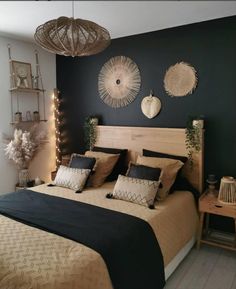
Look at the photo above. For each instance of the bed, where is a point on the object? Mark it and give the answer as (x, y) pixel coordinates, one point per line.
(32, 258)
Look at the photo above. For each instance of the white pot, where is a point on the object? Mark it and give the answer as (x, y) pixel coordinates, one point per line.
(37, 181)
(199, 123)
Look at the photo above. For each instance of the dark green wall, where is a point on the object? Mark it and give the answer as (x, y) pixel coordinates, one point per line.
(209, 46)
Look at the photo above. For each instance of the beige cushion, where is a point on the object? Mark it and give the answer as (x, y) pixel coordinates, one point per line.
(71, 178)
(139, 191)
(103, 167)
(170, 168)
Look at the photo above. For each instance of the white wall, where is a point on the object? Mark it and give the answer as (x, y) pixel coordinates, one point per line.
(44, 162)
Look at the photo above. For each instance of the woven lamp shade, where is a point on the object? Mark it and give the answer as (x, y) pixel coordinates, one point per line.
(227, 193)
(72, 37)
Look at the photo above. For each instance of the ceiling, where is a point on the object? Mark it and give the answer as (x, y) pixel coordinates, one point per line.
(18, 19)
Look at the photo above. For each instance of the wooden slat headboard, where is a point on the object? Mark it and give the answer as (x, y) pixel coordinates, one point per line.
(165, 140)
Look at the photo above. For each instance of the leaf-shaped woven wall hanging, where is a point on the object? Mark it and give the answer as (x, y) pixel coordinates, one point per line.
(150, 106)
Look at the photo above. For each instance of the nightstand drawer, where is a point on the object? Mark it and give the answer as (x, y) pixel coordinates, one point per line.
(215, 207)
(53, 175)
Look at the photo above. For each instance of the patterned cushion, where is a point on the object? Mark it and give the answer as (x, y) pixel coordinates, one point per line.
(71, 178)
(103, 167)
(138, 191)
(169, 168)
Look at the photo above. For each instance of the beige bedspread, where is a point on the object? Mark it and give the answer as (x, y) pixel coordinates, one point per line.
(34, 259)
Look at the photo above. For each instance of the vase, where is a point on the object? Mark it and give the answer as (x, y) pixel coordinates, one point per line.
(18, 116)
(36, 116)
(23, 177)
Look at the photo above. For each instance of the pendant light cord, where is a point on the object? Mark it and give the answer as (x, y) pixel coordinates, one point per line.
(73, 9)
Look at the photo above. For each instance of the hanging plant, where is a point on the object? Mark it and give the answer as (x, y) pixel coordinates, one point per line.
(90, 135)
(193, 136)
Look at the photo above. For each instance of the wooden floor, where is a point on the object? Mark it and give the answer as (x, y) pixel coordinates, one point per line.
(207, 268)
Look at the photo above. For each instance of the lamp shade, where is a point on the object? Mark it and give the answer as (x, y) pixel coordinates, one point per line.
(72, 37)
(227, 193)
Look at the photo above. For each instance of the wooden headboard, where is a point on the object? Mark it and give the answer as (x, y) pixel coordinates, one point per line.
(165, 140)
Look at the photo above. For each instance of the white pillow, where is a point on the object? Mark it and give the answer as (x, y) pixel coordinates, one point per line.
(71, 178)
(139, 191)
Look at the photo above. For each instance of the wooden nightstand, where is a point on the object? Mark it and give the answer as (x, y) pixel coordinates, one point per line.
(208, 204)
(65, 162)
(53, 175)
(17, 187)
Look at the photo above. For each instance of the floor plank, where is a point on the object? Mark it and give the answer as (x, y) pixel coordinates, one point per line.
(207, 268)
(223, 274)
(233, 286)
(176, 278)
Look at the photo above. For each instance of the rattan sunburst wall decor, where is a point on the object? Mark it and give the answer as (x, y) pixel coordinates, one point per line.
(119, 81)
(180, 79)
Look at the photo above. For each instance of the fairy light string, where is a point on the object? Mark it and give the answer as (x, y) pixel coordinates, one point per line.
(57, 116)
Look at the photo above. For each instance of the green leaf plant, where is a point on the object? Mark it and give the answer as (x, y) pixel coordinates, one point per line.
(90, 135)
(193, 137)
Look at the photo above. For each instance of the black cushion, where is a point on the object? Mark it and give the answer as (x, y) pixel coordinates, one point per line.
(182, 184)
(148, 153)
(120, 166)
(82, 162)
(143, 172)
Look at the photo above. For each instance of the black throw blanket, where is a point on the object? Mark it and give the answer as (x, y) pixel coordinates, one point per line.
(127, 244)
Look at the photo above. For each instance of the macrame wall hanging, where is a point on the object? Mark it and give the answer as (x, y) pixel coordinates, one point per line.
(180, 79)
(119, 81)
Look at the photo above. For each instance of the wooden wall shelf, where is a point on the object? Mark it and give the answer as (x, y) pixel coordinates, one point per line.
(28, 90)
(32, 88)
(28, 122)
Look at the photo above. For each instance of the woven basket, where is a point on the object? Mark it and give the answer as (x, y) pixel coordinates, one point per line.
(227, 193)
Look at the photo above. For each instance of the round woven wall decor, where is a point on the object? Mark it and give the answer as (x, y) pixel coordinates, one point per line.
(180, 79)
(119, 81)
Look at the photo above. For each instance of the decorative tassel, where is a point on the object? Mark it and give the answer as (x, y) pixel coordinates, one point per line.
(78, 192)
